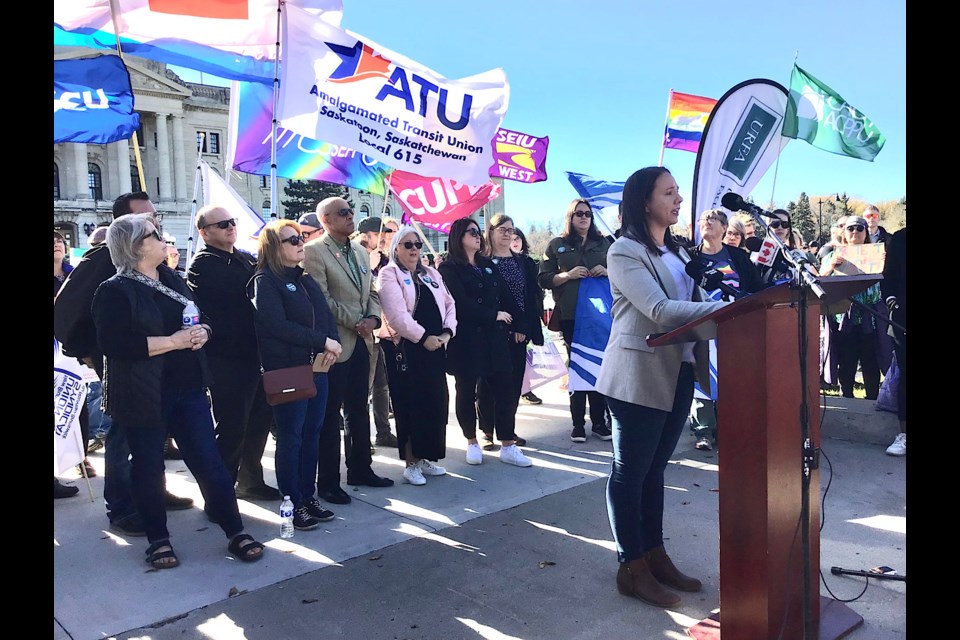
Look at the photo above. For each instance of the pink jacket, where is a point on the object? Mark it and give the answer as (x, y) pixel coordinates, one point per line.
(397, 297)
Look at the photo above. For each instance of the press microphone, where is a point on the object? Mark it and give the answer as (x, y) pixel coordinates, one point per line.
(734, 202)
(709, 278)
(753, 244)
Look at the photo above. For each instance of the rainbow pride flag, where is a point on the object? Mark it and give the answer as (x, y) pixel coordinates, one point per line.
(686, 118)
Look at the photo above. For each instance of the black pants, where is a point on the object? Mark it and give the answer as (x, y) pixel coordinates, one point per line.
(242, 417)
(501, 388)
(486, 396)
(855, 348)
(349, 384)
(578, 399)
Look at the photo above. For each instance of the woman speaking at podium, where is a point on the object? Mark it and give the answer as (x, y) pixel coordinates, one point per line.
(649, 389)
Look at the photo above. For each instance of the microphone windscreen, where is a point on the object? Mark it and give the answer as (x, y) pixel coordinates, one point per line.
(732, 201)
(753, 244)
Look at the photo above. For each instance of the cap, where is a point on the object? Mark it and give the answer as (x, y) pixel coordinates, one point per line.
(369, 224)
(311, 220)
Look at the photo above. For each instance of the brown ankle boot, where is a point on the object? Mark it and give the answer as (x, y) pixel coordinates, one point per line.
(634, 579)
(665, 572)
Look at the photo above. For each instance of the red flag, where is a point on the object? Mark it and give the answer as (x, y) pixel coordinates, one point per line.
(437, 202)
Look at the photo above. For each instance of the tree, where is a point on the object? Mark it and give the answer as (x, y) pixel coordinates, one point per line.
(538, 239)
(802, 218)
(304, 195)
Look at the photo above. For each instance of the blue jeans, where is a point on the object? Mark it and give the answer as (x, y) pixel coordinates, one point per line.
(117, 492)
(298, 443)
(187, 417)
(99, 421)
(643, 441)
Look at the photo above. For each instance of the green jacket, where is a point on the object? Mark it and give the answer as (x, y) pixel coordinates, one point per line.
(562, 255)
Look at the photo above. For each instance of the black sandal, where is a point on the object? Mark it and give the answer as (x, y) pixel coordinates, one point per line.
(155, 558)
(250, 552)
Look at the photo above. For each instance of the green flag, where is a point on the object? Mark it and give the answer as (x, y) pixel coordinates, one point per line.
(816, 113)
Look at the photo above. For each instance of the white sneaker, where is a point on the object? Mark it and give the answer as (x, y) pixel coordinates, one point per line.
(513, 455)
(474, 454)
(413, 475)
(427, 468)
(899, 446)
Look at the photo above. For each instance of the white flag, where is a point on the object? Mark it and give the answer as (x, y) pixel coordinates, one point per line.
(347, 90)
(217, 191)
(69, 394)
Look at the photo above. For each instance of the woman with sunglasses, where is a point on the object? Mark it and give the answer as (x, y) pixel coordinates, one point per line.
(854, 335)
(519, 272)
(419, 319)
(781, 270)
(649, 389)
(579, 252)
(481, 349)
(294, 327)
(154, 385)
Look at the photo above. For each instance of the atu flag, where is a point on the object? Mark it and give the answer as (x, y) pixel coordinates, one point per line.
(298, 158)
(349, 91)
(234, 39)
(519, 156)
(92, 101)
(437, 202)
(69, 395)
(740, 142)
(686, 118)
(816, 113)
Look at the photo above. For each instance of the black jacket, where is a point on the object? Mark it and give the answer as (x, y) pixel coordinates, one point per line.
(72, 320)
(219, 280)
(530, 321)
(291, 316)
(894, 281)
(480, 347)
(750, 280)
(125, 313)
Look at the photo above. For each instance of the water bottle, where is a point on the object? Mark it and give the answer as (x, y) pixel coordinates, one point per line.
(286, 518)
(191, 315)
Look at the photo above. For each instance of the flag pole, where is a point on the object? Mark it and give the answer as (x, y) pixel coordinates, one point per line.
(273, 124)
(666, 121)
(424, 236)
(196, 189)
(386, 194)
(136, 140)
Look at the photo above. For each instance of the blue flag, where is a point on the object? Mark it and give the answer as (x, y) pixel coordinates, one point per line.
(599, 193)
(92, 101)
(591, 330)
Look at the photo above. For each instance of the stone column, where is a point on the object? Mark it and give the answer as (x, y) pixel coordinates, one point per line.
(180, 173)
(163, 158)
(123, 166)
(81, 190)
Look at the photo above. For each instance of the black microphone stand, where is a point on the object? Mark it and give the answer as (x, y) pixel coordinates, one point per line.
(803, 280)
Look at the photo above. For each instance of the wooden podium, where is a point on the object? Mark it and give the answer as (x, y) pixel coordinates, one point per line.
(761, 463)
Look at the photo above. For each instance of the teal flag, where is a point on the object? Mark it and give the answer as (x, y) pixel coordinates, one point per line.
(816, 113)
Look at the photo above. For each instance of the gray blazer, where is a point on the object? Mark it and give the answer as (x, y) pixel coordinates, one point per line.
(645, 301)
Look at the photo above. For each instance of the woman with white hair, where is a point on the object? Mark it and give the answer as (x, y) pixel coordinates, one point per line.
(155, 379)
(419, 318)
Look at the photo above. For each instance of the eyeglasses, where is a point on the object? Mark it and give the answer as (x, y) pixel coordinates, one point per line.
(410, 245)
(293, 241)
(343, 213)
(223, 224)
(473, 231)
(307, 234)
(776, 224)
(154, 234)
(507, 231)
(583, 214)
(734, 233)
(714, 218)
(856, 227)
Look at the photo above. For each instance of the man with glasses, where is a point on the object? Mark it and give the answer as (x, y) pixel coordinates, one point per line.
(310, 227)
(342, 269)
(375, 235)
(73, 327)
(877, 233)
(218, 277)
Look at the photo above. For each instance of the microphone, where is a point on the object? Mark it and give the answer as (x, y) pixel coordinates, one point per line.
(709, 278)
(753, 244)
(734, 202)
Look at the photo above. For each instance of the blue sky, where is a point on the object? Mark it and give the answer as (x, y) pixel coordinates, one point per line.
(595, 77)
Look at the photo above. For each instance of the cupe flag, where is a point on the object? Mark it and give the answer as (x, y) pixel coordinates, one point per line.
(92, 101)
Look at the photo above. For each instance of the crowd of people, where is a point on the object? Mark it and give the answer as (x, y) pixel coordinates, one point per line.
(377, 325)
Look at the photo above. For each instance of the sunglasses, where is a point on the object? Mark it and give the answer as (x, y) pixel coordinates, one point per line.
(856, 227)
(582, 214)
(293, 241)
(307, 234)
(155, 234)
(343, 213)
(387, 230)
(223, 224)
(473, 231)
(776, 224)
(410, 245)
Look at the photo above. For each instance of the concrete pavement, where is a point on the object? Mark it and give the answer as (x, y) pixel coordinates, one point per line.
(489, 551)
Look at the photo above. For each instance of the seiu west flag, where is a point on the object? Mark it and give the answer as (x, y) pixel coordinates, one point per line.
(235, 39)
(686, 119)
(816, 113)
(437, 202)
(92, 101)
(519, 156)
(298, 158)
(349, 91)
(591, 330)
